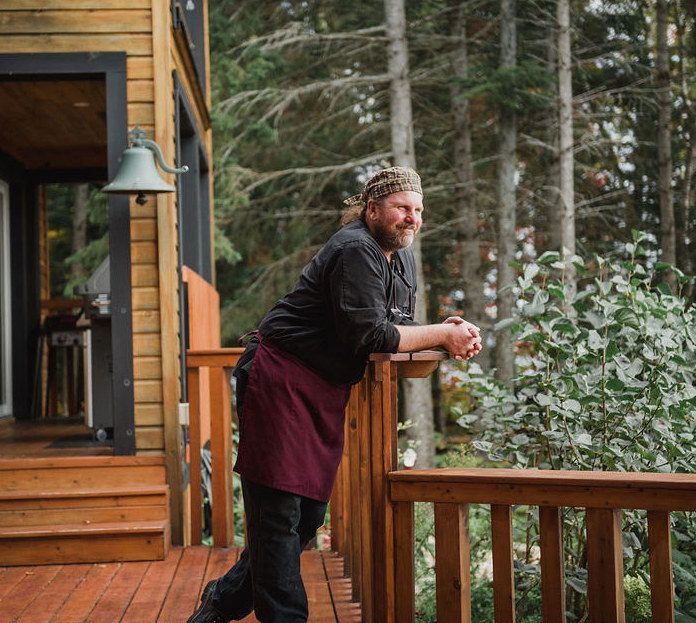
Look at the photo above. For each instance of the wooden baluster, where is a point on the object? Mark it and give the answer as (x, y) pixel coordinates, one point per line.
(221, 451)
(355, 494)
(403, 589)
(661, 583)
(346, 525)
(552, 570)
(193, 381)
(452, 563)
(503, 570)
(365, 503)
(605, 565)
(336, 508)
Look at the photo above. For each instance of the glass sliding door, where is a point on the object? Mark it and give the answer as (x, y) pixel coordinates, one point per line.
(5, 304)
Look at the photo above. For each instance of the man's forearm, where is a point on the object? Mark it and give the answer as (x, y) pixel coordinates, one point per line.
(421, 337)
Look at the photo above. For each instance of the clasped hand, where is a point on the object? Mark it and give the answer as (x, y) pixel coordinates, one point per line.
(464, 339)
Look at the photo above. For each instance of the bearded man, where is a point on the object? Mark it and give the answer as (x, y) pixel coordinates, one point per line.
(356, 296)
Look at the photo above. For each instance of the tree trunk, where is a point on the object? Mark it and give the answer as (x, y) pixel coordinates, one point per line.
(418, 401)
(551, 192)
(79, 229)
(465, 199)
(507, 163)
(565, 139)
(664, 138)
(682, 220)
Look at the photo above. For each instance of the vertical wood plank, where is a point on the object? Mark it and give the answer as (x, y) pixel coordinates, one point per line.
(605, 565)
(661, 582)
(404, 576)
(552, 570)
(343, 547)
(336, 510)
(452, 563)
(193, 376)
(220, 442)
(365, 425)
(503, 571)
(355, 493)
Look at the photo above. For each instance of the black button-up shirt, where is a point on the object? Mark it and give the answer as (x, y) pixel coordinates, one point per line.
(345, 305)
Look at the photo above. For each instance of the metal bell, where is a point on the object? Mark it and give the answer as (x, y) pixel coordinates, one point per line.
(138, 173)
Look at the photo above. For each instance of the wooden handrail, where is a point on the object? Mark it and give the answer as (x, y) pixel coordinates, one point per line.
(210, 416)
(373, 525)
(603, 494)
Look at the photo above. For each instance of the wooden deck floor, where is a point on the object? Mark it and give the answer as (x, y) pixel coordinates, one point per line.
(149, 592)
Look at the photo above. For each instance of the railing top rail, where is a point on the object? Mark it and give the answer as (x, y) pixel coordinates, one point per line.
(649, 491)
(421, 355)
(546, 476)
(213, 357)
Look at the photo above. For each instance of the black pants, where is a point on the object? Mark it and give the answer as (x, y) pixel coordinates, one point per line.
(267, 578)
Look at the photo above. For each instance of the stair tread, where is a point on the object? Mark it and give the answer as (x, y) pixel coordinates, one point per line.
(80, 493)
(82, 461)
(122, 527)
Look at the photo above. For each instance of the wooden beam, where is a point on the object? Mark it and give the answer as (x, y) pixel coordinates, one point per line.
(221, 457)
(404, 577)
(195, 443)
(136, 44)
(80, 21)
(552, 570)
(452, 563)
(605, 565)
(503, 576)
(661, 582)
(649, 491)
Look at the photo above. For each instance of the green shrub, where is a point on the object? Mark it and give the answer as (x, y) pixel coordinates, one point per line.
(605, 382)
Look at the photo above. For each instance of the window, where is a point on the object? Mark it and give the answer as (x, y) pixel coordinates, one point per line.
(188, 20)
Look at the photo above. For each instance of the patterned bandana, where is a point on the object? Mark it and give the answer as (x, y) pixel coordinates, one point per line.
(387, 182)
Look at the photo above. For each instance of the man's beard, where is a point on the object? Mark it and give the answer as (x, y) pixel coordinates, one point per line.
(392, 241)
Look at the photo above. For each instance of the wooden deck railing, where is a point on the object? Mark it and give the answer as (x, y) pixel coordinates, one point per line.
(372, 519)
(210, 418)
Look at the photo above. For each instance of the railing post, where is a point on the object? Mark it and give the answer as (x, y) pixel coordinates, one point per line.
(605, 565)
(404, 598)
(221, 454)
(661, 583)
(194, 444)
(552, 570)
(503, 570)
(452, 563)
(383, 453)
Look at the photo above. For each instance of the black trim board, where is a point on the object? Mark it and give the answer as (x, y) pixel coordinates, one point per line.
(113, 66)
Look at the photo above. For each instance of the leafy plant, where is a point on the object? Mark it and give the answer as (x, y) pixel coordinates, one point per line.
(605, 382)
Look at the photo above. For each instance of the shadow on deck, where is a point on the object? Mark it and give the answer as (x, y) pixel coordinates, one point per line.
(147, 592)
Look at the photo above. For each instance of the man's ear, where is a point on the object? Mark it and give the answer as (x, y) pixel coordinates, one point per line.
(371, 209)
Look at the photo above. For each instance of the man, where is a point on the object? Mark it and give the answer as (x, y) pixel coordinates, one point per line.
(355, 297)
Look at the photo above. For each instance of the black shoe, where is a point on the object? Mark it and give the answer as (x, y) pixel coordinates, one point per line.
(207, 612)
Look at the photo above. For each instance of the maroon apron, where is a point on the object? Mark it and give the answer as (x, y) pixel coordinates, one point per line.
(291, 426)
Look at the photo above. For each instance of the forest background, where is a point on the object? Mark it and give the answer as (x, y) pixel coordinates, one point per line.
(556, 140)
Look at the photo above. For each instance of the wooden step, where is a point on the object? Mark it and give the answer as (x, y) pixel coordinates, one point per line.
(32, 508)
(80, 473)
(79, 543)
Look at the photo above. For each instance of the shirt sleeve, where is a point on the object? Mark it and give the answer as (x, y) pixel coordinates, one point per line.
(359, 302)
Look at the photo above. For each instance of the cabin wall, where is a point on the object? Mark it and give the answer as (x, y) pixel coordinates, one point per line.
(132, 26)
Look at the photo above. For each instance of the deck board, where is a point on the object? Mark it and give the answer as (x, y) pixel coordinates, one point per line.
(148, 592)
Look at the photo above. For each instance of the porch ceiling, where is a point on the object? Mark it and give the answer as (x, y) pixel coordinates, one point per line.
(51, 124)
